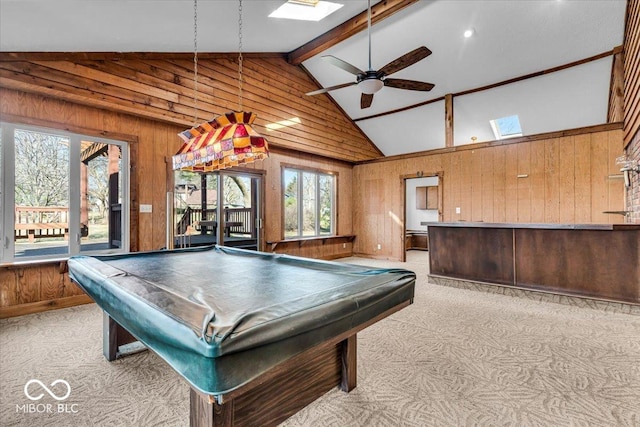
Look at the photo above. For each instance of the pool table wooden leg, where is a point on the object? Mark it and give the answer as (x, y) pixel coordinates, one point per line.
(349, 358)
(116, 340)
(206, 412)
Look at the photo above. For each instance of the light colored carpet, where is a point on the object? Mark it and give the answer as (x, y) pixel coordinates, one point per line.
(456, 357)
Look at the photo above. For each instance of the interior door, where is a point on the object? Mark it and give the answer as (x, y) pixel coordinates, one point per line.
(423, 204)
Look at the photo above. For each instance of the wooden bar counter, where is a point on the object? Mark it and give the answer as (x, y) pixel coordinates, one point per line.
(590, 260)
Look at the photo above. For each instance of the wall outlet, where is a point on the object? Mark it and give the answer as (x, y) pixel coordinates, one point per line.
(344, 246)
(379, 246)
(146, 208)
(457, 210)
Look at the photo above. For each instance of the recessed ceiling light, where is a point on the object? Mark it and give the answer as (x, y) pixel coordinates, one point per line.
(305, 11)
(470, 32)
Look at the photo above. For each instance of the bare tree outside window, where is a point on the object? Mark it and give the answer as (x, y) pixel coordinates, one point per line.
(237, 191)
(290, 203)
(98, 191)
(309, 209)
(41, 169)
(325, 183)
(308, 203)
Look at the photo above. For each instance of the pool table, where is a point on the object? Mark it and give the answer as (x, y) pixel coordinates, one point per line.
(257, 336)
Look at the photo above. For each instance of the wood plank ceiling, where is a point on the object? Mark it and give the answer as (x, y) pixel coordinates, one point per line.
(163, 89)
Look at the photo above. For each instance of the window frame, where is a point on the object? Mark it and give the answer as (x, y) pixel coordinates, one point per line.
(7, 193)
(300, 170)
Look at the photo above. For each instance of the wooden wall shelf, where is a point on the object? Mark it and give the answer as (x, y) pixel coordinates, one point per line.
(302, 240)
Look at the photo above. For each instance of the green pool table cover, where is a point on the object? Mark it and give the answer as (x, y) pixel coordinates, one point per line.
(222, 316)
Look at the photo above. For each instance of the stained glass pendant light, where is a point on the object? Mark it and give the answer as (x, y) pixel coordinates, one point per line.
(227, 140)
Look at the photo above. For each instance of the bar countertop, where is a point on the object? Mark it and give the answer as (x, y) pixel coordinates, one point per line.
(599, 261)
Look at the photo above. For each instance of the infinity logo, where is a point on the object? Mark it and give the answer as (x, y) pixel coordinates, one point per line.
(45, 388)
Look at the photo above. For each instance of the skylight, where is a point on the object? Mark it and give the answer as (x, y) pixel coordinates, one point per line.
(305, 10)
(506, 127)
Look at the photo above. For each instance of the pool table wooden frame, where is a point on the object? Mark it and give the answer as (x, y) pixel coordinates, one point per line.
(279, 392)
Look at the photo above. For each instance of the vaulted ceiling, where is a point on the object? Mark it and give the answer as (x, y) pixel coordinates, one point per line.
(511, 39)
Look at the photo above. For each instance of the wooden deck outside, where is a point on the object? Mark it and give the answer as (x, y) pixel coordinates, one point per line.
(33, 222)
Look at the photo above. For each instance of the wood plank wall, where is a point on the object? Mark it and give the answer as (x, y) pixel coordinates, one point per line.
(632, 71)
(161, 88)
(615, 112)
(632, 104)
(567, 177)
(27, 289)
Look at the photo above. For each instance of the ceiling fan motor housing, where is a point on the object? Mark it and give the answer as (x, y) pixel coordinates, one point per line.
(370, 82)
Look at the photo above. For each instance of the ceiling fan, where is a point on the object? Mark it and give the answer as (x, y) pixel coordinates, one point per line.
(371, 81)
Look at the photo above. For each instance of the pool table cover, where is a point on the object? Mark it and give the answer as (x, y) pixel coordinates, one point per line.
(222, 316)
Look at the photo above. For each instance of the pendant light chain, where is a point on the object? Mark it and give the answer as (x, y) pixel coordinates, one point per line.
(195, 62)
(240, 55)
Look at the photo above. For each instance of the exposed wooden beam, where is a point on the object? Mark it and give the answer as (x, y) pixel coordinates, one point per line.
(399, 110)
(333, 101)
(498, 84)
(121, 56)
(538, 73)
(616, 89)
(509, 141)
(448, 120)
(94, 150)
(347, 29)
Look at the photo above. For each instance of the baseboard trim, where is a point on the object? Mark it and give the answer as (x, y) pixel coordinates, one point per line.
(538, 295)
(381, 257)
(337, 256)
(40, 306)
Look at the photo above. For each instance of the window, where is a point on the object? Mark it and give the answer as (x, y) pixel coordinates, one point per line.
(506, 127)
(308, 203)
(62, 194)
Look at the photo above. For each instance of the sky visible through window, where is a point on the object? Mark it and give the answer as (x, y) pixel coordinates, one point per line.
(506, 127)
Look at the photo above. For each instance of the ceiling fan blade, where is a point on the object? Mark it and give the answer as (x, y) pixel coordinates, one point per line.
(408, 84)
(365, 100)
(405, 60)
(343, 64)
(327, 89)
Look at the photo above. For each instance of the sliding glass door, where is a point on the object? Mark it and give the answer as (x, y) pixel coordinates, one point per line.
(218, 208)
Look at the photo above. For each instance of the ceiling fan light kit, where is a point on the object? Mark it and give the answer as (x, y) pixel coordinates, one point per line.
(372, 81)
(370, 85)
